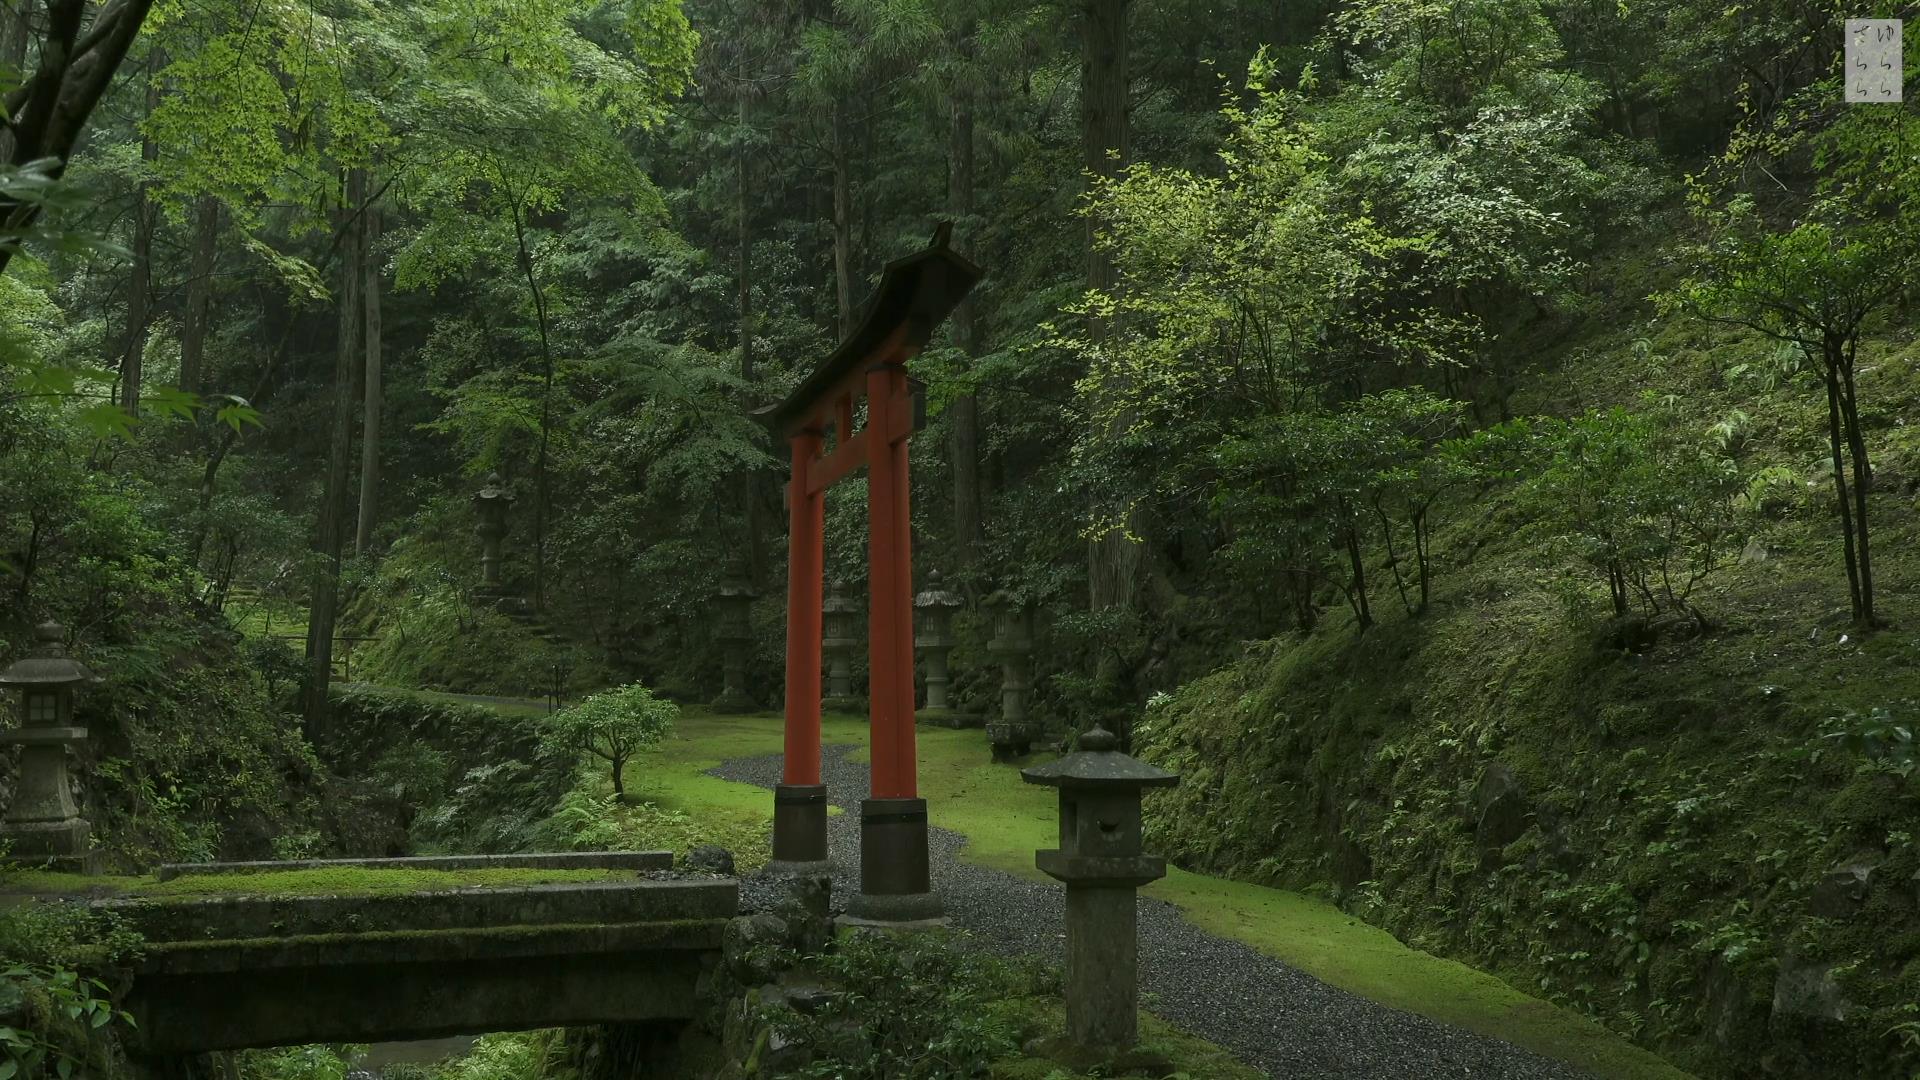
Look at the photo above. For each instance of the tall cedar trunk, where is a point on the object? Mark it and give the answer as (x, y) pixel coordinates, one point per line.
(371, 391)
(1114, 558)
(140, 282)
(964, 446)
(750, 480)
(332, 533)
(543, 492)
(15, 19)
(842, 223)
(193, 329)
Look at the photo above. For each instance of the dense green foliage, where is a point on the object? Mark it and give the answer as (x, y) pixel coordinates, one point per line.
(1481, 429)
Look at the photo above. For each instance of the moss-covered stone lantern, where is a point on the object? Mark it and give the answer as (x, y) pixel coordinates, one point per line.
(733, 610)
(1101, 862)
(491, 504)
(43, 826)
(1012, 733)
(840, 615)
(934, 625)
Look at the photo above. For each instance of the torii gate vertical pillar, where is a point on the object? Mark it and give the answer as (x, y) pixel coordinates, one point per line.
(894, 881)
(915, 294)
(800, 801)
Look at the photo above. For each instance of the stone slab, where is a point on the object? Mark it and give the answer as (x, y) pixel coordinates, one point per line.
(542, 860)
(241, 917)
(427, 947)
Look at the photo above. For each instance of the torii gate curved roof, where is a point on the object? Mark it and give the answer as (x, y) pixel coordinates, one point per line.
(916, 292)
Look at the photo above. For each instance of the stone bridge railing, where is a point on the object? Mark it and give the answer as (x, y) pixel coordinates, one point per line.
(236, 971)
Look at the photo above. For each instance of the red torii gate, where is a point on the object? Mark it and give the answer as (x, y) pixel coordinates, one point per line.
(915, 294)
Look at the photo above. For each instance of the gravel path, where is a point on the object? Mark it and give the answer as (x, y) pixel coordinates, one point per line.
(1285, 1022)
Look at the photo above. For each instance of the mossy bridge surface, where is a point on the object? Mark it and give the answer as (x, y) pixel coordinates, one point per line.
(362, 959)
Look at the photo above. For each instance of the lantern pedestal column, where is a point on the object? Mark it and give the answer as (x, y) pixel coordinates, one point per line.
(935, 639)
(490, 506)
(734, 632)
(43, 825)
(842, 638)
(1012, 734)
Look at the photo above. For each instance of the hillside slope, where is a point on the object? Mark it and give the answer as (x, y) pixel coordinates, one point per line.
(1705, 839)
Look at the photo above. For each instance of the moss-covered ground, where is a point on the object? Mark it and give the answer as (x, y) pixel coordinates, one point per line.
(1186, 1054)
(1005, 820)
(328, 881)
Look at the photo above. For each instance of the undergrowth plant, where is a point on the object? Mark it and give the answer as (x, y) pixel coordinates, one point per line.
(911, 1008)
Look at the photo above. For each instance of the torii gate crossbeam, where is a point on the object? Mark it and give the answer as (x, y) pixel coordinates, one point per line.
(914, 295)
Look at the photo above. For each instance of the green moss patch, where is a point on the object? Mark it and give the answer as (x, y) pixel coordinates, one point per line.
(359, 881)
(332, 881)
(1186, 1054)
(1006, 820)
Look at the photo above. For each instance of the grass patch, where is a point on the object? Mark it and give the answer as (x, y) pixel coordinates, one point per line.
(1338, 949)
(1006, 819)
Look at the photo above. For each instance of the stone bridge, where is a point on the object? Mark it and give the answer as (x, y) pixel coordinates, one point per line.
(230, 972)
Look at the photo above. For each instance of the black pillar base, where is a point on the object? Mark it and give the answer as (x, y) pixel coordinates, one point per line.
(894, 879)
(799, 829)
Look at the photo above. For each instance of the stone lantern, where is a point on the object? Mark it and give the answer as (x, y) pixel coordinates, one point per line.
(1012, 734)
(1101, 861)
(43, 824)
(733, 608)
(936, 606)
(841, 616)
(491, 504)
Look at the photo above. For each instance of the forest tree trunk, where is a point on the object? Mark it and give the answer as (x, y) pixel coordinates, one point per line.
(193, 328)
(1113, 558)
(371, 392)
(543, 491)
(964, 448)
(743, 274)
(332, 532)
(1863, 481)
(14, 24)
(842, 224)
(140, 283)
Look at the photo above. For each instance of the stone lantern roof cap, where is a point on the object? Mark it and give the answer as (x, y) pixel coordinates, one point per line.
(736, 585)
(935, 595)
(837, 600)
(1000, 598)
(1098, 764)
(46, 665)
(494, 489)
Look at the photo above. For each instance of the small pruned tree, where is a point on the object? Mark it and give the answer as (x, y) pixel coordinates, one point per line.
(1651, 511)
(613, 726)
